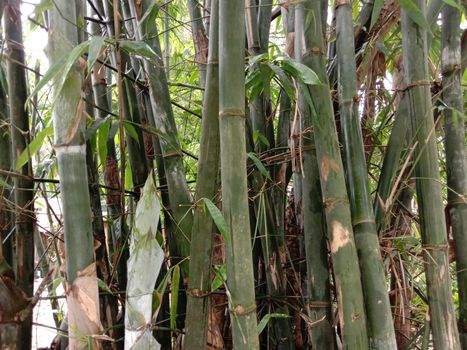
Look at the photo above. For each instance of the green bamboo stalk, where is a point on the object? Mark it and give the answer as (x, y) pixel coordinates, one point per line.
(24, 186)
(318, 306)
(337, 209)
(456, 161)
(240, 281)
(200, 39)
(258, 20)
(70, 148)
(206, 187)
(379, 317)
(179, 195)
(432, 223)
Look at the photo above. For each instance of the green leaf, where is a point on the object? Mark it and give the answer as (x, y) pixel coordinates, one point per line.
(174, 297)
(101, 284)
(266, 318)
(217, 217)
(137, 47)
(262, 169)
(454, 4)
(95, 46)
(300, 71)
(34, 146)
(59, 71)
(259, 136)
(130, 128)
(284, 80)
(415, 13)
(149, 17)
(377, 6)
(102, 137)
(220, 278)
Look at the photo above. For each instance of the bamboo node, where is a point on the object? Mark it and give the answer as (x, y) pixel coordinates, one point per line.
(415, 84)
(461, 200)
(232, 112)
(241, 310)
(341, 3)
(319, 304)
(433, 247)
(197, 293)
(363, 221)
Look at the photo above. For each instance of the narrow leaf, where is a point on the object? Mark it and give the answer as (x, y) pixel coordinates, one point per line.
(266, 318)
(217, 217)
(415, 13)
(300, 71)
(174, 297)
(33, 147)
(377, 6)
(95, 47)
(262, 169)
(138, 47)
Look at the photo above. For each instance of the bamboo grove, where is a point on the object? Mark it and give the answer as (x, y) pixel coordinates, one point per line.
(228, 174)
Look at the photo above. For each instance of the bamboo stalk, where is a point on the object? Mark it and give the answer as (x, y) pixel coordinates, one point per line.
(378, 309)
(456, 161)
(233, 174)
(432, 225)
(69, 146)
(179, 195)
(318, 302)
(338, 217)
(24, 187)
(206, 187)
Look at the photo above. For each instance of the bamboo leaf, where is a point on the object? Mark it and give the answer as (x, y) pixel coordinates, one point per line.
(377, 6)
(34, 146)
(174, 297)
(454, 4)
(217, 217)
(102, 285)
(266, 318)
(262, 169)
(415, 13)
(284, 80)
(138, 47)
(60, 71)
(95, 46)
(300, 71)
(220, 278)
(130, 128)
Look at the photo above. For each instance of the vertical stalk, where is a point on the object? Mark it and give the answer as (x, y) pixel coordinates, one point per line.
(456, 161)
(199, 39)
(337, 209)
(179, 195)
(206, 187)
(83, 319)
(233, 174)
(24, 186)
(319, 307)
(432, 223)
(379, 317)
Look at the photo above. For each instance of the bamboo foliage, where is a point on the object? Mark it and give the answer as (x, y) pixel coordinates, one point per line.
(432, 225)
